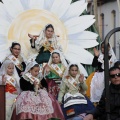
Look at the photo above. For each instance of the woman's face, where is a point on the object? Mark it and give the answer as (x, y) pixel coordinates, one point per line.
(49, 32)
(55, 58)
(73, 71)
(16, 50)
(10, 69)
(35, 71)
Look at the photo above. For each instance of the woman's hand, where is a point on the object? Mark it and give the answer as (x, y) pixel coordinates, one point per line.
(35, 83)
(47, 69)
(60, 103)
(15, 92)
(96, 52)
(21, 73)
(88, 117)
(45, 89)
(33, 37)
(81, 78)
(3, 80)
(36, 86)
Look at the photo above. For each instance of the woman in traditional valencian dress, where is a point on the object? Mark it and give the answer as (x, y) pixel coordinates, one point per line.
(45, 43)
(34, 102)
(10, 79)
(97, 82)
(16, 57)
(54, 72)
(73, 88)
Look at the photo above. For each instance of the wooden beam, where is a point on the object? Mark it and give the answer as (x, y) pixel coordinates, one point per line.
(2, 102)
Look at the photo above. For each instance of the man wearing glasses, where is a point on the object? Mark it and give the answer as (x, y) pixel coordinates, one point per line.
(114, 88)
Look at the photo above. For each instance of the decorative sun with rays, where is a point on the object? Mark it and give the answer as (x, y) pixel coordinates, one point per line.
(20, 17)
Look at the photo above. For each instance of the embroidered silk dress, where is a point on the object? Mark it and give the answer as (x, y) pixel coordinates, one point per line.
(10, 90)
(54, 79)
(45, 46)
(37, 107)
(71, 95)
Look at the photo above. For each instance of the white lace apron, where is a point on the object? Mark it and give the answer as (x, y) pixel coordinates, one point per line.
(40, 104)
(97, 86)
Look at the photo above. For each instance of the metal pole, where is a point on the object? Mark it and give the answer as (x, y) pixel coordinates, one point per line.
(106, 68)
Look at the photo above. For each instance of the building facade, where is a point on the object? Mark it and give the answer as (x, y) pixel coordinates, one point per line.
(108, 19)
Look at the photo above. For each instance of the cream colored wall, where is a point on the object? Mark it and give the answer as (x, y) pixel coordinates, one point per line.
(107, 9)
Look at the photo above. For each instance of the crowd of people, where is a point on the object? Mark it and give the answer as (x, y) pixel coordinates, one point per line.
(49, 87)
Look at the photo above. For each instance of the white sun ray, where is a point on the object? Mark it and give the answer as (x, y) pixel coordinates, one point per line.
(17, 21)
(25, 4)
(78, 20)
(3, 50)
(74, 10)
(84, 43)
(3, 22)
(78, 54)
(13, 7)
(3, 30)
(37, 4)
(48, 4)
(4, 14)
(59, 7)
(83, 71)
(85, 39)
(3, 40)
(79, 24)
(2, 46)
(86, 35)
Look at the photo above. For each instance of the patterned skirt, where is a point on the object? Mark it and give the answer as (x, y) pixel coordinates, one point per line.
(40, 107)
(53, 86)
